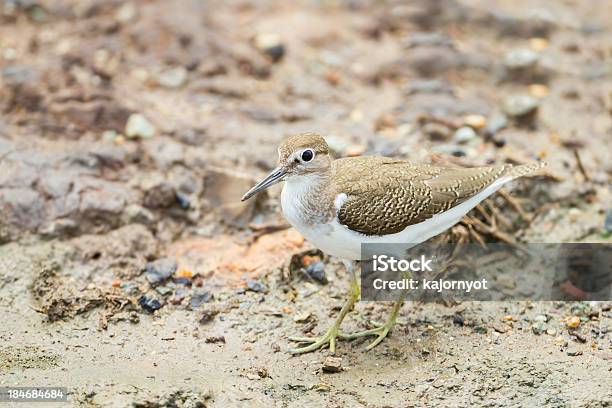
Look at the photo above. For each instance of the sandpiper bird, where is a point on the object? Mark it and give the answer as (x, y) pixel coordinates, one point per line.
(339, 204)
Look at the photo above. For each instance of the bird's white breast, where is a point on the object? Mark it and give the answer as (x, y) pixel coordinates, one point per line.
(336, 239)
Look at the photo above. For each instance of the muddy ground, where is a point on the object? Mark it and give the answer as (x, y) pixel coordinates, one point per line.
(131, 274)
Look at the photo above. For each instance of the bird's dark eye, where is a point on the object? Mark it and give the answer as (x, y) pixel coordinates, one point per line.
(307, 155)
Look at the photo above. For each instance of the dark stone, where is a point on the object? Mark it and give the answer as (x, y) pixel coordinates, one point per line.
(149, 304)
(200, 297)
(316, 271)
(183, 200)
(160, 270)
(256, 286)
(458, 320)
(162, 195)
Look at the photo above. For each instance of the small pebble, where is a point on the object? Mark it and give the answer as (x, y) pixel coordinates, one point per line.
(302, 317)
(316, 271)
(215, 339)
(172, 77)
(160, 270)
(139, 126)
(332, 364)
(271, 45)
(538, 43)
(520, 105)
(200, 297)
(497, 123)
(475, 121)
(149, 304)
(573, 322)
(256, 286)
(520, 58)
(538, 90)
(574, 353)
(458, 320)
(464, 134)
(538, 328)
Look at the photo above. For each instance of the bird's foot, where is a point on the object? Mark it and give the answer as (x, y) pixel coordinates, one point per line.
(329, 337)
(380, 331)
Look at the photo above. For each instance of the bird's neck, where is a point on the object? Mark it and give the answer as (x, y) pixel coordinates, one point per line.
(309, 195)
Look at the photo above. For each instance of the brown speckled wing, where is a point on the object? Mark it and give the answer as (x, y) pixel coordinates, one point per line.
(384, 196)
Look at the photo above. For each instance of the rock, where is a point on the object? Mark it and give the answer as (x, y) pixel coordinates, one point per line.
(574, 353)
(215, 339)
(464, 134)
(522, 108)
(573, 322)
(538, 328)
(200, 297)
(139, 126)
(458, 320)
(302, 317)
(497, 123)
(149, 304)
(164, 290)
(270, 44)
(316, 271)
(172, 78)
(540, 318)
(160, 270)
(222, 191)
(256, 286)
(162, 195)
(475, 121)
(436, 131)
(501, 327)
(332, 364)
(520, 58)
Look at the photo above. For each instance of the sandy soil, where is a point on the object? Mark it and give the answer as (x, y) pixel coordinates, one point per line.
(131, 274)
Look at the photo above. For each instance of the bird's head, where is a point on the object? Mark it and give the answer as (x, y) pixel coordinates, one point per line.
(300, 155)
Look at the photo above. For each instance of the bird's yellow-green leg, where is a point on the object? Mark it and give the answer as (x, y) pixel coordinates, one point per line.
(383, 330)
(330, 336)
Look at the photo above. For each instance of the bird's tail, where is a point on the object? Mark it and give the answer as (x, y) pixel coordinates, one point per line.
(524, 169)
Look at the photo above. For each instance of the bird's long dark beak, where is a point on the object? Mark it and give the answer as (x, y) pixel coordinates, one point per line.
(274, 177)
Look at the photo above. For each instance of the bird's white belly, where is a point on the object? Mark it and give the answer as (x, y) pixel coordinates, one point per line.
(336, 239)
